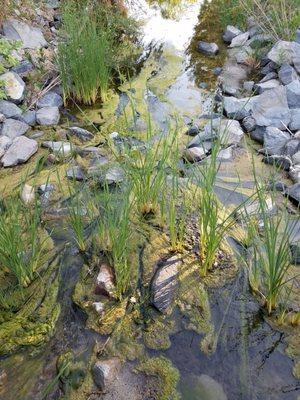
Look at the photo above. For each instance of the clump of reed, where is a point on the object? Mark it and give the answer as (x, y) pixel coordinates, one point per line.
(21, 243)
(270, 259)
(114, 233)
(94, 37)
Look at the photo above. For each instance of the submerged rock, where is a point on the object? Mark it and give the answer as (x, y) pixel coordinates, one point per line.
(164, 285)
(81, 133)
(31, 37)
(105, 372)
(210, 49)
(105, 281)
(20, 151)
(202, 387)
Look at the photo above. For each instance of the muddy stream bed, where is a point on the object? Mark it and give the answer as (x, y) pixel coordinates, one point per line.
(223, 345)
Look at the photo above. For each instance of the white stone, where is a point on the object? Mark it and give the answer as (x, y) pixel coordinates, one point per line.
(14, 86)
(27, 195)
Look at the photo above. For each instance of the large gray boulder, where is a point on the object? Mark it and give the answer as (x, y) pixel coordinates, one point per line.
(31, 37)
(13, 128)
(271, 108)
(48, 116)
(293, 94)
(287, 74)
(14, 86)
(164, 285)
(9, 110)
(19, 151)
(210, 49)
(238, 108)
(284, 52)
(275, 140)
(230, 33)
(5, 142)
(270, 84)
(50, 99)
(295, 119)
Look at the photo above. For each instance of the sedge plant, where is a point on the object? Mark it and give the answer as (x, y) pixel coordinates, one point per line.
(114, 234)
(271, 259)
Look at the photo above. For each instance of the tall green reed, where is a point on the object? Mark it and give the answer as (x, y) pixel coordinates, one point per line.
(21, 244)
(115, 233)
(83, 57)
(271, 257)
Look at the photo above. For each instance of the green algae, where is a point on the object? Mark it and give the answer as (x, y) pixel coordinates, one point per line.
(167, 375)
(35, 322)
(157, 333)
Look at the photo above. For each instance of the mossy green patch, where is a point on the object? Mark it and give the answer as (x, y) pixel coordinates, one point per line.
(157, 333)
(165, 372)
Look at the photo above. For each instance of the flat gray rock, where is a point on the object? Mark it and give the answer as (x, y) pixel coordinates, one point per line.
(270, 84)
(284, 52)
(295, 119)
(293, 193)
(5, 142)
(230, 33)
(14, 86)
(50, 99)
(239, 40)
(82, 134)
(228, 130)
(293, 94)
(61, 148)
(238, 108)
(13, 128)
(10, 110)
(31, 37)
(271, 108)
(48, 116)
(275, 140)
(75, 173)
(164, 285)
(20, 151)
(287, 74)
(104, 372)
(210, 49)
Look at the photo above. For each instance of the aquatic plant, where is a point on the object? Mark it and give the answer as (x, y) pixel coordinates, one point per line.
(146, 172)
(21, 242)
(271, 256)
(76, 218)
(114, 233)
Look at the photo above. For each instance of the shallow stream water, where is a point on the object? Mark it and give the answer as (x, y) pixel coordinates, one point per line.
(249, 361)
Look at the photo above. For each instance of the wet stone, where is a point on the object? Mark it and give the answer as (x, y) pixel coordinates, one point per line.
(210, 49)
(164, 285)
(105, 281)
(203, 387)
(75, 173)
(105, 372)
(82, 134)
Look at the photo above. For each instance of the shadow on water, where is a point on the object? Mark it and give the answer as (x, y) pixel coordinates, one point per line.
(249, 360)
